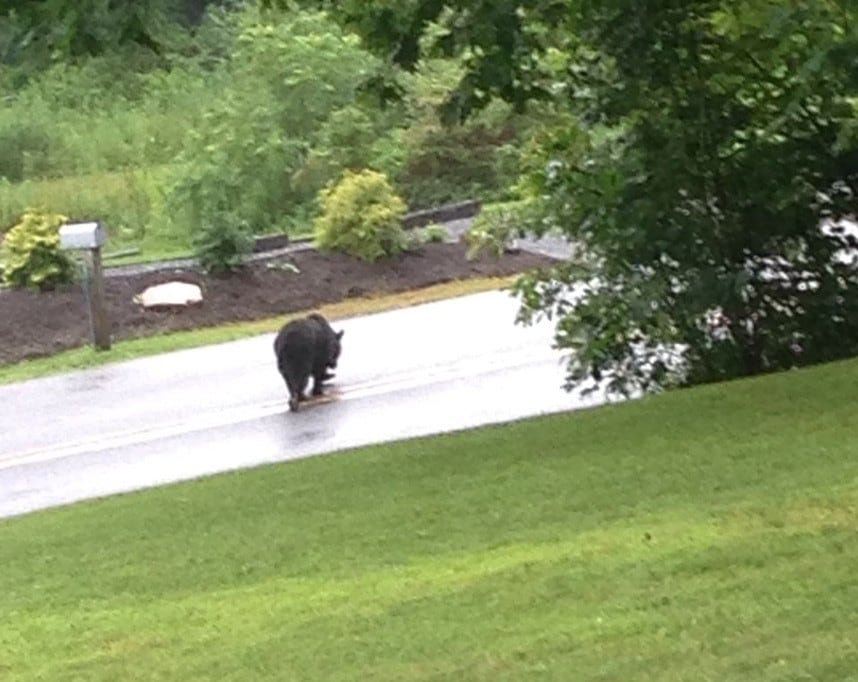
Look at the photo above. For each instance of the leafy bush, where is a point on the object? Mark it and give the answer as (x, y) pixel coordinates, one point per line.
(434, 233)
(453, 163)
(419, 236)
(222, 243)
(497, 225)
(708, 223)
(362, 216)
(30, 254)
(358, 135)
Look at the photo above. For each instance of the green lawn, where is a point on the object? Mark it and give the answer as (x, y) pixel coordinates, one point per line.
(707, 534)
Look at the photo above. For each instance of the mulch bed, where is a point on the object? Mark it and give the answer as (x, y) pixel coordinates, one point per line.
(39, 324)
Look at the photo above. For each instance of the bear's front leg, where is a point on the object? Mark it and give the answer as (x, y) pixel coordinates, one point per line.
(318, 379)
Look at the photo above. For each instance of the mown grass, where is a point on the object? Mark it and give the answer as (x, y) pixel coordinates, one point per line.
(706, 534)
(82, 358)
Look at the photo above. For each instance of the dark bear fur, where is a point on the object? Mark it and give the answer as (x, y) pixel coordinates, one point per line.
(306, 348)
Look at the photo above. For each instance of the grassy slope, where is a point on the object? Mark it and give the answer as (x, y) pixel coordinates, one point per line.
(707, 534)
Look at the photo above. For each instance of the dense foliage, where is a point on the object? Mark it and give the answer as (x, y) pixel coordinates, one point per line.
(30, 254)
(701, 216)
(361, 215)
(212, 122)
(292, 82)
(37, 32)
(696, 156)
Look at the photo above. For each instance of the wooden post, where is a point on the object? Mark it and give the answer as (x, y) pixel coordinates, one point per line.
(97, 303)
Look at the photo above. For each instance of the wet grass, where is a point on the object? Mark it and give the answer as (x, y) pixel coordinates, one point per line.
(82, 358)
(707, 534)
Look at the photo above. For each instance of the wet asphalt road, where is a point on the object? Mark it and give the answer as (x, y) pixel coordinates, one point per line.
(432, 368)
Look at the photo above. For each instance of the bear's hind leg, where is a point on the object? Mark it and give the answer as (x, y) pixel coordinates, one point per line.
(296, 382)
(301, 386)
(294, 394)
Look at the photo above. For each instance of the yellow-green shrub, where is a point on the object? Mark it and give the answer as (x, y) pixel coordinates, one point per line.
(361, 215)
(30, 254)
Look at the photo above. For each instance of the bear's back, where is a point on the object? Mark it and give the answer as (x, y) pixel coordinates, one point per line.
(297, 336)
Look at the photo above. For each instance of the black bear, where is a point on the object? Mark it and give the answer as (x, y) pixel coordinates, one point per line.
(304, 348)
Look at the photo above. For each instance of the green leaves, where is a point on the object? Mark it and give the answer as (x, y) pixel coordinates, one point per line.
(497, 226)
(698, 150)
(54, 30)
(223, 242)
(259, 158)
(30, 255)
(732, 122)
(361, 215)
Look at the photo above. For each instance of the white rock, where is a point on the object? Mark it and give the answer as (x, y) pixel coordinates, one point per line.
(170, 294)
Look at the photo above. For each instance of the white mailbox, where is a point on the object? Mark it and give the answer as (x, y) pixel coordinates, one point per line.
(89, 238)
(83, 236)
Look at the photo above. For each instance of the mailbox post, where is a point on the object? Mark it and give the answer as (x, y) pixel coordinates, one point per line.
(89, 238)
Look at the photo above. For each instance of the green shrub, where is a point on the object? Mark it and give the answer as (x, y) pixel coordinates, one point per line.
(434, 233)
(222, 243)
(357, 135)
(31, 255)
(362, 216)
(496, 226)
(447, 164)
(431, 234)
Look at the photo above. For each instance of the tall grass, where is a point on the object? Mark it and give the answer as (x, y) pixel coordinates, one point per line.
(69, 121)
(107, 157)
(130, 202)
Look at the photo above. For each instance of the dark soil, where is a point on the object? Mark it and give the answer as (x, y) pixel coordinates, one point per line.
(38, 324)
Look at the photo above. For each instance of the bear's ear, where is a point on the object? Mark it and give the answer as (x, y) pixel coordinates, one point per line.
(340, 333)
